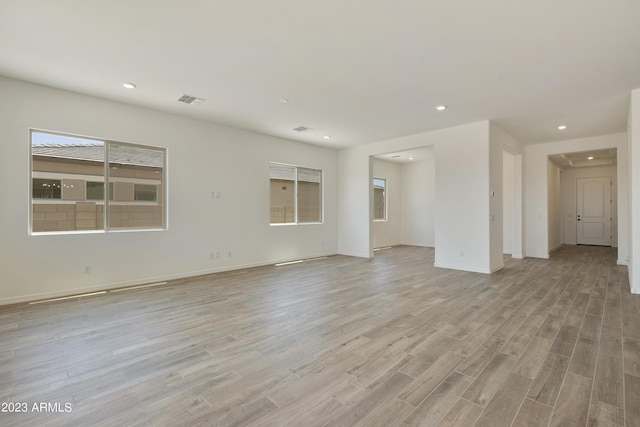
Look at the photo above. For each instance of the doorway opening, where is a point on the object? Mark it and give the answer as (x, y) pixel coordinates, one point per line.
(403, 212)
(582, 191)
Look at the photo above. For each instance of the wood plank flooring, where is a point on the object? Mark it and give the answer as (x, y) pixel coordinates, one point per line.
(340, 341)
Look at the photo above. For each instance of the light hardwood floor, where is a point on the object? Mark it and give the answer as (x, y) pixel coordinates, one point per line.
(338, 342)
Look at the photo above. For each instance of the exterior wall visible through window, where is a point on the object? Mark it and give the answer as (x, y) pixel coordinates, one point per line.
(295, 194)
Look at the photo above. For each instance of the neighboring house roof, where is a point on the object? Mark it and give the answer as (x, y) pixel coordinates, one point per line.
(288, 173)
(120, 154)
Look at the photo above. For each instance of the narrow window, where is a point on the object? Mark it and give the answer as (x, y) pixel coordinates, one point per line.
(379, 199)
(60, 167)
(136, 178)
(309, 195)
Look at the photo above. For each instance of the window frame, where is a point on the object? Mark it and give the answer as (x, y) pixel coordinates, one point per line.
(161, 193)
(385, 199)
(295, 195)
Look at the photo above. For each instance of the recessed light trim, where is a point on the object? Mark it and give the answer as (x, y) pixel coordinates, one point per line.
(590, 158)
(562, 127)
(441, 107)
(410, 158)
(327, 137)
(129, 85)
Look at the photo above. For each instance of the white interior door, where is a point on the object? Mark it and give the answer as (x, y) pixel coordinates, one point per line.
(594, 211)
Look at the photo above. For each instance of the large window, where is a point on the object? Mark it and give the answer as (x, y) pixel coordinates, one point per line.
(74, 189)
(379, 199)
(295, 194)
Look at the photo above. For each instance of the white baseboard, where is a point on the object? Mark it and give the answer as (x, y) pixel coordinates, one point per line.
(462, 268)
(496, 268)
(355, 254)
(136, 282)
(538, 257)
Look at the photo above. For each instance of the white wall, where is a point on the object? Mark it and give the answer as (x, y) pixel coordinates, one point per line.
(554, 207)
(462, 202)
(633, 209)
(496, 208)
(515, 149)
(355, 172)
(411, 203)
(462, 194)
(507, 202)
(387, 233)
(519, 214)
(418, 202)
(202, 157)
(536, 215)
(568, 193)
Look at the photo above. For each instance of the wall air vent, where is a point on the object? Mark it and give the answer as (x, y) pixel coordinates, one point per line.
(191, 100)
(301, 128)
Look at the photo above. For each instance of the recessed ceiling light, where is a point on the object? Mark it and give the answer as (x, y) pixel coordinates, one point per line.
(562, 127)
(441, 107)
(283, 100)
(590, 158)
(410, 158)
(327, 137)
(129, 85)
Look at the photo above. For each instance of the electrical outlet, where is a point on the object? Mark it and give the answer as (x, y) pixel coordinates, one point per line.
(212, 255)
(462, 254)
(217, 255)
(87, 269)
(229, 254)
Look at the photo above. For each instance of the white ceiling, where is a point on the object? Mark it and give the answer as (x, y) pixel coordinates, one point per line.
(358, 70)
(583, 159)
(408, 156)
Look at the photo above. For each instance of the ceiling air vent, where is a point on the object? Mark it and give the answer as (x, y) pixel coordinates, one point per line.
(191, 100)
(301, 128)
